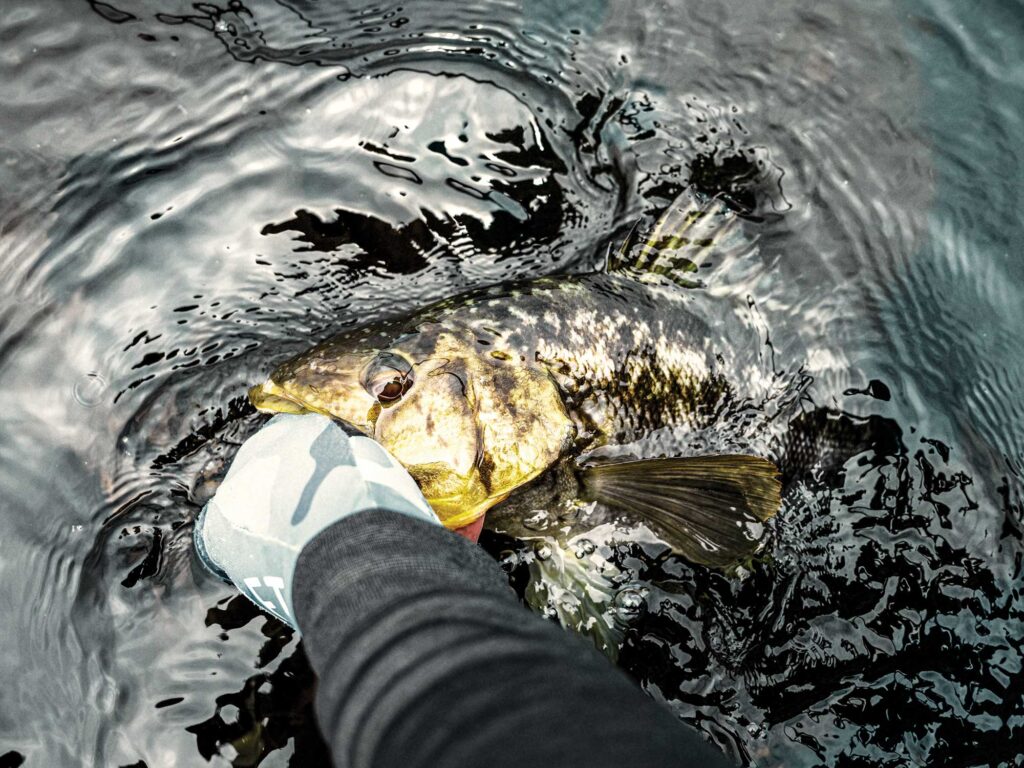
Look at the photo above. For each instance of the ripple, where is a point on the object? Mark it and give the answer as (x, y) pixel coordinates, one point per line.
(191, 192)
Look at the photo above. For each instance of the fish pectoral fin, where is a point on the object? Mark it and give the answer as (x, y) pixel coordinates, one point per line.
(691, 231)
(709, 509)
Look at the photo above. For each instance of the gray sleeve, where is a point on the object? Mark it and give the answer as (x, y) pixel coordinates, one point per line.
(426, 659)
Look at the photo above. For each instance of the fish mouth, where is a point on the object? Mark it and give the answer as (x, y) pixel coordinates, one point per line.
(270, 397)
(453, 515)
(455, 511)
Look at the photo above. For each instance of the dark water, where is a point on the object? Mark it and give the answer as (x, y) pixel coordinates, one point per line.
(191, 192)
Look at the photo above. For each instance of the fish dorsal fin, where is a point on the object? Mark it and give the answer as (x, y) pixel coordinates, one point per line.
(684, 237)
(708, 508)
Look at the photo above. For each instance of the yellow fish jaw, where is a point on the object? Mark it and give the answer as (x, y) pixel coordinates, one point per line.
(271, 398)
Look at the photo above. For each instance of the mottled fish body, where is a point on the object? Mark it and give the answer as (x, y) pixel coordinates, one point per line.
(627, 356)
(479, 394)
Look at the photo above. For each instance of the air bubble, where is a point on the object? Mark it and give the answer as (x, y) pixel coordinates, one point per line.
(628, 603)
(89, 389)
(583, 548)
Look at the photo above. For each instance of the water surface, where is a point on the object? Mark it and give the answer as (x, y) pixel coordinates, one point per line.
(189, 193)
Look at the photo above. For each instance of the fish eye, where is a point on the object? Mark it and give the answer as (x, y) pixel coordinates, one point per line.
(388, 378)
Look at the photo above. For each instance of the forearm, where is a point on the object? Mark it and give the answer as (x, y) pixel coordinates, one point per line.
(426, 659)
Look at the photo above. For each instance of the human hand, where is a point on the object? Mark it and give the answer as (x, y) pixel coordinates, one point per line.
(295, 477)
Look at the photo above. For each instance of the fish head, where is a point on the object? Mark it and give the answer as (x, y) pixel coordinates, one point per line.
(470, 422)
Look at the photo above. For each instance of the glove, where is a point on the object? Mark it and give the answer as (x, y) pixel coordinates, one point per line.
(291, 480)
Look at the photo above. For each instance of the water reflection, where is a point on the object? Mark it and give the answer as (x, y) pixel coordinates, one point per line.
(190, 193)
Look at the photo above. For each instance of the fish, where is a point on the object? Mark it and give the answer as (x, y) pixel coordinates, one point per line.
(480, 394)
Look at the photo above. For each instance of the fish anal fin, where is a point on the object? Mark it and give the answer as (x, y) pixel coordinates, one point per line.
(709, 509)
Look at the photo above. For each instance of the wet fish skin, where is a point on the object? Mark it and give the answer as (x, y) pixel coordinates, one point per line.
(496, 386)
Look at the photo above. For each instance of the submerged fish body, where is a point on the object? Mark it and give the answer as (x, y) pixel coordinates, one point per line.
(478, 395)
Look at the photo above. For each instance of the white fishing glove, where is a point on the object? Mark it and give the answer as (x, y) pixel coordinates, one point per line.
(291, 480)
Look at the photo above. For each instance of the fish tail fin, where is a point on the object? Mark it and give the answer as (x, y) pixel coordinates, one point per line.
(707, 508)
(686, 235)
